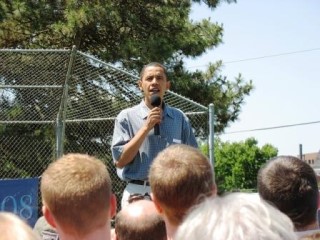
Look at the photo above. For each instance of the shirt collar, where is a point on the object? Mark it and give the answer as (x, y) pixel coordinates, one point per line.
(144, 110)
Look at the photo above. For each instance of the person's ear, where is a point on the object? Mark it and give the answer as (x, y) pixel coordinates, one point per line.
(214, 190)
(114, 234)
(140, 85)
(113, 205)
(156, 203)
(168, 85)
(48, 216)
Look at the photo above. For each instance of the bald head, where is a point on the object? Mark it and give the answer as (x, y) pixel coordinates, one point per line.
(140, 220)
(140, 210)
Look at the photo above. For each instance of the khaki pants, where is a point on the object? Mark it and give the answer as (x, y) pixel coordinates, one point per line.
(131, 189)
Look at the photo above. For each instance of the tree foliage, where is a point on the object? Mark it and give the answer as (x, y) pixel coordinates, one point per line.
(212, 87)
(130, 34)
(113, 30)
(237, 163)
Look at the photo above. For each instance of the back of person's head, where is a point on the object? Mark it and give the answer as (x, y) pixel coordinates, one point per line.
(14, 228)
(291, 185)
(139, 220)
(76, 191)
(241, 216)
(180, 176)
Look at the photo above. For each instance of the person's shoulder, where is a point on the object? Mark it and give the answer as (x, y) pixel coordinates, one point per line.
(129, 110)
(174, 110)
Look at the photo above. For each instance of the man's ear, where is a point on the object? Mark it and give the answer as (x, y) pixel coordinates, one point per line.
(140, 85)
(214, 190)
(156, 203)
(48, 216)
(113, 205)
(168, 85)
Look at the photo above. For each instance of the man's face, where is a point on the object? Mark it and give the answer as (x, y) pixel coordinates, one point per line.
(154, 81)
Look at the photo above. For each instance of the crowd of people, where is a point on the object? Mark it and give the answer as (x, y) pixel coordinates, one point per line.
(171, 192)
(78, 202)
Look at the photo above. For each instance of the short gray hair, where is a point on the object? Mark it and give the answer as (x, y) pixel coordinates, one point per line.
(241, 216)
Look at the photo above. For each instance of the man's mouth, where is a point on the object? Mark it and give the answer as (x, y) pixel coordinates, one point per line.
(154, 91)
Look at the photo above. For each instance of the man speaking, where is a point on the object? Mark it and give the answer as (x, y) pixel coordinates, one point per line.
(142, 131)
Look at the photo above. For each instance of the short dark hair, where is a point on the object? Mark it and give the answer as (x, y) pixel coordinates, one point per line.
(291, 185)
(153, 64)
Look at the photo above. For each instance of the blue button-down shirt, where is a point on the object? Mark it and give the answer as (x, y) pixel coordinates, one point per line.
(174, 128)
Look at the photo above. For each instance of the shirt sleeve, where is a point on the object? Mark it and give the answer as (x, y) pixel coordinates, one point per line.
(121, 135)
(188, 135)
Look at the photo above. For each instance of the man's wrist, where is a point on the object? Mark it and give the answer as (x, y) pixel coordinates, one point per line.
(145, 128)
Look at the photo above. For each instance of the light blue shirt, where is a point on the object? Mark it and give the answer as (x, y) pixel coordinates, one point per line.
(174, 128)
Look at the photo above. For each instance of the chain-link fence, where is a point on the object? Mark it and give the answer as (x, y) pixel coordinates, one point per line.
(61, 101)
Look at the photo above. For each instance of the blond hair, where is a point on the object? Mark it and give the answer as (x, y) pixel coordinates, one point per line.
(77, 190)
(180, 177)
(14, 228)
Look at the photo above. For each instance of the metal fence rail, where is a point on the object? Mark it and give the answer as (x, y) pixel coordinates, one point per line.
(60, 101)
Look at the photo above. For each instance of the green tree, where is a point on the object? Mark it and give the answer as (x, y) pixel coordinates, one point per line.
(212, 87)
(114, 30)
(237, 163)
(131, 33)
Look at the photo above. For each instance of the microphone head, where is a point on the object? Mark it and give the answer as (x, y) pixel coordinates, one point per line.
(155, 100)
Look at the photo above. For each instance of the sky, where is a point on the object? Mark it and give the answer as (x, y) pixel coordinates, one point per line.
(276, 44)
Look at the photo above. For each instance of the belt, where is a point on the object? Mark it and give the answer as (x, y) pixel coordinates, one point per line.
(140, 182)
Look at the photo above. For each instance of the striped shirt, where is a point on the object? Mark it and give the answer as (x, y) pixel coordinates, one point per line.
(174, 128)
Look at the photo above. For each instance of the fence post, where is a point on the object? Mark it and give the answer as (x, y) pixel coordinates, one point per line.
(211, 134)
(61, 116)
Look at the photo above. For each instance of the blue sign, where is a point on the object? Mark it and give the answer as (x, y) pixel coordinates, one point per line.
(20, 196)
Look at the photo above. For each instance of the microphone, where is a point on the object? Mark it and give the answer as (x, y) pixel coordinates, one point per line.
(155, 102)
